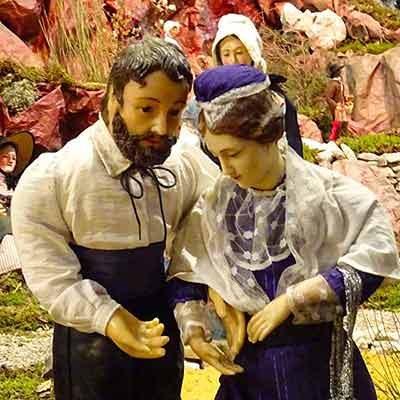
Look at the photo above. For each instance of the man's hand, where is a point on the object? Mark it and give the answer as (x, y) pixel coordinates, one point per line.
(3, 210)
(233, 320)
(139, 339)
(268, 319)
(211, 354)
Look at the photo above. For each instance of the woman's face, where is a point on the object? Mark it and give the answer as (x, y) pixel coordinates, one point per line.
(248, 163)
(8, 159)
(233, 51)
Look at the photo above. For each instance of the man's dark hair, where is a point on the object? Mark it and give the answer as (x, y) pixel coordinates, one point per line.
(140, 59)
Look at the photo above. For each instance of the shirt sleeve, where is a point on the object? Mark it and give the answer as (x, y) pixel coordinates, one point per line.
(50, 267)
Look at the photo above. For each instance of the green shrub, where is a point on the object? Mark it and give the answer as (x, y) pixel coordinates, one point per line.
(374, 143)
(53, 73)
(385, 298)
(19, 95)
(358, 47)
(320, 115)
(289, 55)
(83, 44)
(310, 154)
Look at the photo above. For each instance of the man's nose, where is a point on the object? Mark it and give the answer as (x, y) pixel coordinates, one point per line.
(160, 125)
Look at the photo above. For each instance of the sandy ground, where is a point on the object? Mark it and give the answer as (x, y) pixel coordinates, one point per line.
(200, 384)
(203, 384)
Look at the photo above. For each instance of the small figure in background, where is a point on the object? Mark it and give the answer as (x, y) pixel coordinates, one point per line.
(15, 154)
(340, 105)
(171, 32)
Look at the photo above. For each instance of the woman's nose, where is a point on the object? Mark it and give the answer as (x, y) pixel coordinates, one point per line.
(226, 168)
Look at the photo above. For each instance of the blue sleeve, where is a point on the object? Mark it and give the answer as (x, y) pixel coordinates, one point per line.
(335, 280)
(179, 291)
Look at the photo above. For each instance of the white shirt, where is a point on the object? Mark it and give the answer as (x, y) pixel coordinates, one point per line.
(75, 196)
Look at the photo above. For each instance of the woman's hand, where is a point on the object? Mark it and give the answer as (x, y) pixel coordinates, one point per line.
(268, 319)
(139, 339)
(211, 354)
(233, 320)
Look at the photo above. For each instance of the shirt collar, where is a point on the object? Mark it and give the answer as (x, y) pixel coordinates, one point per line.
(108, 151)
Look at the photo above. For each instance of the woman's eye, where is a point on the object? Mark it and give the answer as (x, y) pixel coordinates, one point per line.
(234, 154)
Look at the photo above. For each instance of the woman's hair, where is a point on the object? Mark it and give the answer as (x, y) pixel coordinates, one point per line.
(246, 119)
(138, 60)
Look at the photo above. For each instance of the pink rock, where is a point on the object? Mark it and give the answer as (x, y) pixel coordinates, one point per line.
(309, 129)
(82, 109)
(42, 120)
(375, 180)
(22, 16)
(394, 35)
(13, 48)
(363, 26)
(375, 83)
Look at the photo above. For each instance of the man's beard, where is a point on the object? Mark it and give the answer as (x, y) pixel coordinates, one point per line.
(132, 148)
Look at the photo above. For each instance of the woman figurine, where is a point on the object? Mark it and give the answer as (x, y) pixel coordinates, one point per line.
(238, 42)
(293, 246)
(15, 153)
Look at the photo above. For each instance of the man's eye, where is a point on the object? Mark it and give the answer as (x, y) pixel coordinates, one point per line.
(146, 109)
(174, 113)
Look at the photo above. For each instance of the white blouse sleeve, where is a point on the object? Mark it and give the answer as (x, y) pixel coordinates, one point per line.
(313, 301)
(51, 269)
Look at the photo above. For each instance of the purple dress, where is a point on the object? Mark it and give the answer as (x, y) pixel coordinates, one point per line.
(293, 362)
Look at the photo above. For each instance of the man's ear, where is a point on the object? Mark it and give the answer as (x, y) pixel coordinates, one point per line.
(202, 124)
(112, 107)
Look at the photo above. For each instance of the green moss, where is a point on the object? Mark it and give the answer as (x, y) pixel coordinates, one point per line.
(22, 384)
(19, 310)
(377, 144)
(310, 154)
(386, 298)
(386, 16)
(53, 73)
(358, 47)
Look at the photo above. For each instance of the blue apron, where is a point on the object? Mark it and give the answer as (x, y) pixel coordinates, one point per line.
(91, 366)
